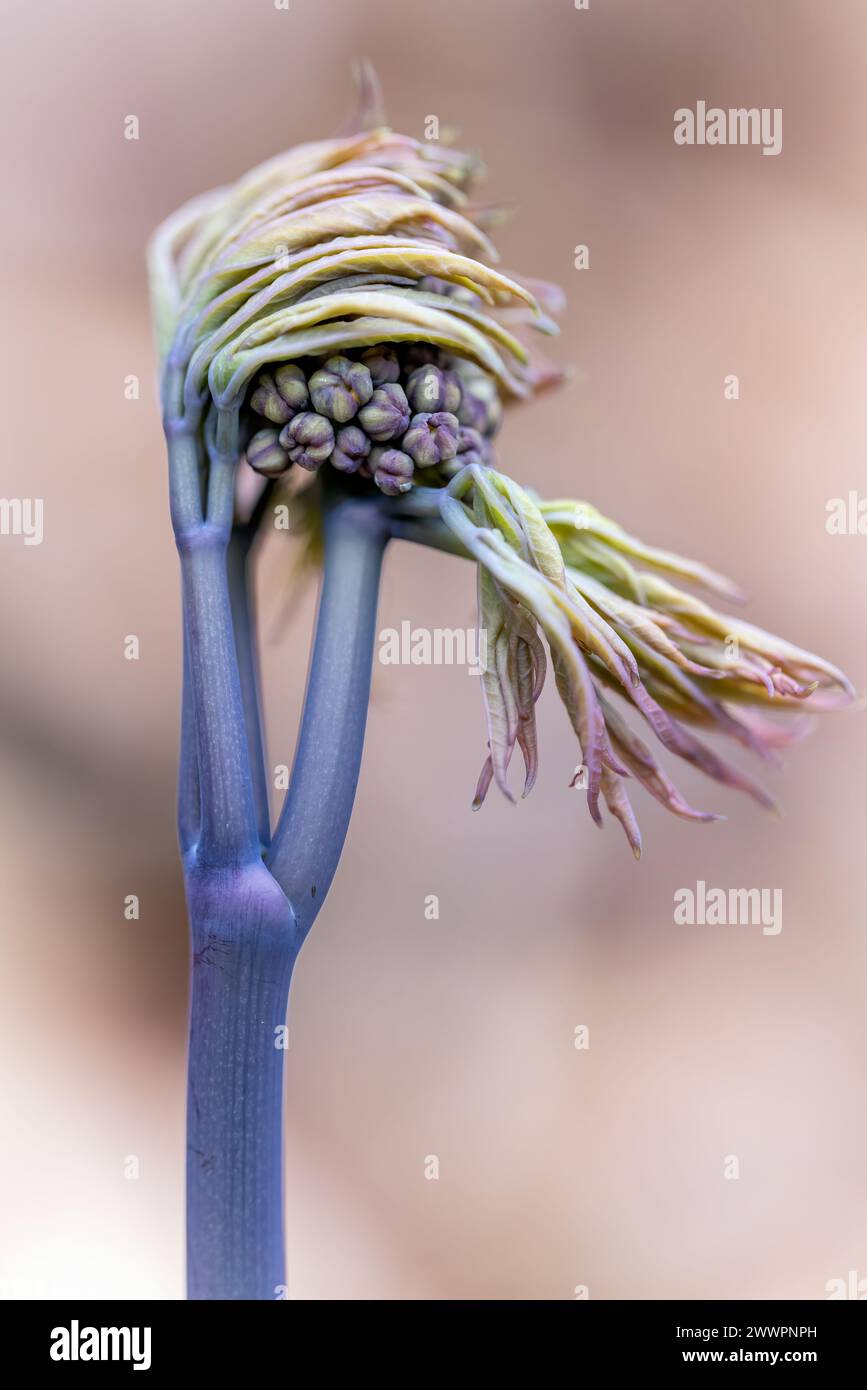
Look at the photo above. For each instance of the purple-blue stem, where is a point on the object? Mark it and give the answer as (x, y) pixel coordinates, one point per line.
(252, 899)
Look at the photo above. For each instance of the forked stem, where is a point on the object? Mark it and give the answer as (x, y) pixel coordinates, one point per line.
(312, 827)
(249, 916)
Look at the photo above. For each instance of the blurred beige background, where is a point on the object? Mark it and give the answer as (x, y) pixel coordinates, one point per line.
(454, 1038)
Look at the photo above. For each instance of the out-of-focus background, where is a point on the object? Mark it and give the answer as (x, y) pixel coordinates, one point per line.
(558, 1167)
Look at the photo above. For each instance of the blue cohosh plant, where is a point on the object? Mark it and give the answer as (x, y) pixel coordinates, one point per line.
(332, 327)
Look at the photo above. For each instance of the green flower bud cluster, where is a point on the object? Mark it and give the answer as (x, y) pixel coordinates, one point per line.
(386, 413)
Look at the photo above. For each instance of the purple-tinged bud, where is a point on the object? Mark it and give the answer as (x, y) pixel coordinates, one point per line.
(459, 293)
(419, 355)
(386, 414)
(309, 440)
(452, 393)
(265, 455)
(292, 385)
(266, 400)
(350, 450)
(480, 408)
(472, 447)
(432, 438)
(382, 364)
(425, 389)
(280, 396)
(392, 471)
(432, 388)
(340, 387)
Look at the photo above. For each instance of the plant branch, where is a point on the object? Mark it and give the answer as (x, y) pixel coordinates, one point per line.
(433, 534)
(243, 932)
(312, 827)
(228, 833)
(239, 561)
